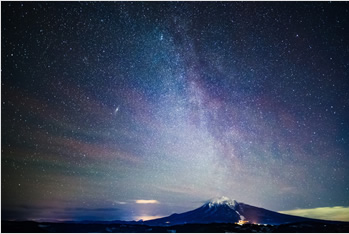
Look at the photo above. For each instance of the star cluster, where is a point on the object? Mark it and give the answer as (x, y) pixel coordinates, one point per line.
(105, 104)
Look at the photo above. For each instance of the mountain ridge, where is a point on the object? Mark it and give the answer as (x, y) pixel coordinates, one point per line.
(226, 210)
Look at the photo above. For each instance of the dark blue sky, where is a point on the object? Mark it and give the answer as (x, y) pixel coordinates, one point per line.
(133, 110)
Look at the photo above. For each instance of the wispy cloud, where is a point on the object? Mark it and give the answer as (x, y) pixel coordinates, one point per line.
(148, 217)
(147, 202)
(337, 213)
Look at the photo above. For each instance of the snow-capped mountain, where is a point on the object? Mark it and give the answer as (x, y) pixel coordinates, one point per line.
(226, 210)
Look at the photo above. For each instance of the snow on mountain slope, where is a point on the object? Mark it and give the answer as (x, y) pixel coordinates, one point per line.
(226, 210)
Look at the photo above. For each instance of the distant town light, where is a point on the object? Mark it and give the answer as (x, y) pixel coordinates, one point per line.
(242, 222)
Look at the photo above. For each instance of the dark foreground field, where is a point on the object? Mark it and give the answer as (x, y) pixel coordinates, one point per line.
(33, 227)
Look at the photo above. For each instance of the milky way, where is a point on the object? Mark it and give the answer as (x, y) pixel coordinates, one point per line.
(135, 110)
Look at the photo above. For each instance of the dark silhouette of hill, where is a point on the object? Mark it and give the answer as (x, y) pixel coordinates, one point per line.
(34, 227)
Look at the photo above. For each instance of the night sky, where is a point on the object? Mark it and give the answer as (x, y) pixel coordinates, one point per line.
(134, 110)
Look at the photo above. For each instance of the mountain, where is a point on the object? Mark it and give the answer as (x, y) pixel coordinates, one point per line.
(226, 210)
(215, 216)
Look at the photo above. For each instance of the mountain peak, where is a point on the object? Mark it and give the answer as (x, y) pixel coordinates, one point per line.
(222, 201)
(226, 210)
